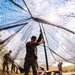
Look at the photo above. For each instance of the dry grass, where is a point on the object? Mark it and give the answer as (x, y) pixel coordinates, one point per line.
(70, 70)
(10, 73)
(69, 73)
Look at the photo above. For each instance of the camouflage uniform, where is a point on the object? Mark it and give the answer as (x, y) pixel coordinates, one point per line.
(31, 56)
(6, 59)
(30, 59)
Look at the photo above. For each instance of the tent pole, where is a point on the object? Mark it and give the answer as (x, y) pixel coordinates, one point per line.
(47, 67)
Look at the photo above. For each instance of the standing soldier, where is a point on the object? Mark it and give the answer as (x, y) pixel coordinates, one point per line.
(31, 57)
(60, 67)
(6, 58)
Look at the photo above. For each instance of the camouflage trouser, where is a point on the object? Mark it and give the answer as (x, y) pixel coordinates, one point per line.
(5, 65)
(27, 65)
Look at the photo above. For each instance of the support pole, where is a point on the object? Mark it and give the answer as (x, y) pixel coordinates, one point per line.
(47, 67)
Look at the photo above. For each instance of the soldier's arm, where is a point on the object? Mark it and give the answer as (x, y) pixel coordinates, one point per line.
(40, 37)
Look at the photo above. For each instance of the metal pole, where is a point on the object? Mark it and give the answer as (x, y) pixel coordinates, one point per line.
(47, 67)
(46, 57)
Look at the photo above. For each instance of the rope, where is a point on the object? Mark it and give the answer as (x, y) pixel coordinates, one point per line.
(27, 7)
(16, 55)
(58, 26)
(48, 46)
(17, 5)
(9, 38)
(61, 46)
(8, 27)
(57, 54)
(68, 41)
(14, 22)
(47, 40)
(11, 9)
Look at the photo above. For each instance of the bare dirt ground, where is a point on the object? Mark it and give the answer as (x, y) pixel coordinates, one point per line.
(70, 73)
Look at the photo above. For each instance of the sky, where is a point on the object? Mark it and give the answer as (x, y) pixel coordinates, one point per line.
(58, 12)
